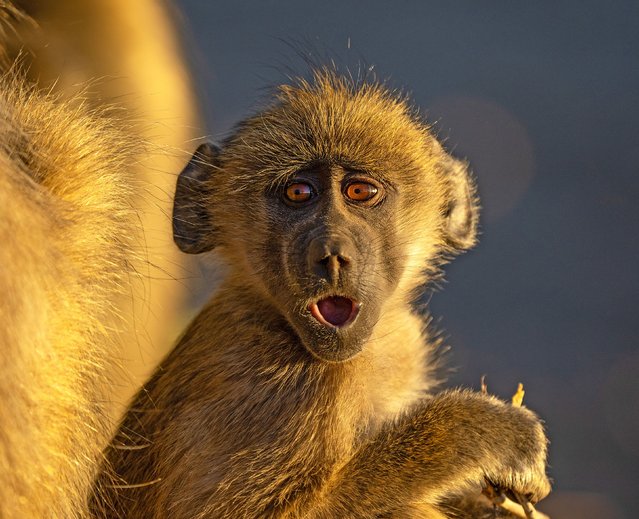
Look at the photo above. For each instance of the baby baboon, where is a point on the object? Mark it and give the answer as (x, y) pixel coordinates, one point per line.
(305, 387)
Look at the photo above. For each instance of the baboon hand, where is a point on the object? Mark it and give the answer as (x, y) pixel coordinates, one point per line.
(520, 455)
(476, 437)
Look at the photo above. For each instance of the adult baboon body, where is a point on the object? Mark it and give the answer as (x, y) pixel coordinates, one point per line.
(127, 55)
(66, 241)
(79, 220)
(305, 387)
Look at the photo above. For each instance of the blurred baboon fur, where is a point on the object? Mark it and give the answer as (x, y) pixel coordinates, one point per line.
(79, 222)
(100, 50)
(65, 200)
(307, 386)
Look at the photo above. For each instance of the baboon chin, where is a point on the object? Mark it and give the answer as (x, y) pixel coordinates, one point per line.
(305, 388)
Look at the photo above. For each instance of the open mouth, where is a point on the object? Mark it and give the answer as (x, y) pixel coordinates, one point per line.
(335, 311)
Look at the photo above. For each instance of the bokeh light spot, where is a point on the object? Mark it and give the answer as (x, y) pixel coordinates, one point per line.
(497, 145)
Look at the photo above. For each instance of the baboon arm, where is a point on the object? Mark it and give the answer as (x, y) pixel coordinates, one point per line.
(447, 444)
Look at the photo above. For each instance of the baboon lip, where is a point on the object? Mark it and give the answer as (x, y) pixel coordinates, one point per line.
(335, 311)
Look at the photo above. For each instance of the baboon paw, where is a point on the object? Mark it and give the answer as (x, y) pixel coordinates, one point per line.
(523, 470)
(530, 483)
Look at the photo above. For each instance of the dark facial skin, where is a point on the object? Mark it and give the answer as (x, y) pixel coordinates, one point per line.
(328, 229)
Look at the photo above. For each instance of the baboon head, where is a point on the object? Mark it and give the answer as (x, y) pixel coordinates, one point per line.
(335, 202)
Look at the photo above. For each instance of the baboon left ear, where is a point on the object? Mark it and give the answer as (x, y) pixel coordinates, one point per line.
(193, 229)
(463, 210)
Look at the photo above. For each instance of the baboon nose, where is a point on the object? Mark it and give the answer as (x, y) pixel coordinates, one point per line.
(328, 259)
(331, 265)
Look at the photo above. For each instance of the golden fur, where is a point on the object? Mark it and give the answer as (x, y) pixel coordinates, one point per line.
(89, 283)
(100, 50)
(65, 200)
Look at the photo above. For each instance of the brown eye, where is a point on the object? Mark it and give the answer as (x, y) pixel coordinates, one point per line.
(360, 191)
(299, 192)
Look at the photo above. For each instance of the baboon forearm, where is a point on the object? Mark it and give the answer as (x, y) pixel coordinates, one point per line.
(445, 443)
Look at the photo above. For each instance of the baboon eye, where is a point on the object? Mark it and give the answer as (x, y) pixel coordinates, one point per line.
(299, 192)
(360, 191)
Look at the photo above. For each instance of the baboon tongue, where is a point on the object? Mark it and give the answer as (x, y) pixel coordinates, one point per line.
(336, 310)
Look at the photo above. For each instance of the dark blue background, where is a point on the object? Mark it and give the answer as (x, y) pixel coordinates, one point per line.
(543, 99)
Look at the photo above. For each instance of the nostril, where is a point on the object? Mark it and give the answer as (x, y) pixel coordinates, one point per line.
(343, 260)
(329, 258)
(331, 265)
(340, 260)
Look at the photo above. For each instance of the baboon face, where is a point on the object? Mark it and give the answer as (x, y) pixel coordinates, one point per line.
(332, 239)
(331, 202)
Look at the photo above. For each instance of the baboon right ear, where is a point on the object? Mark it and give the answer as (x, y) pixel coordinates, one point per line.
(193, 229)
(463, 209)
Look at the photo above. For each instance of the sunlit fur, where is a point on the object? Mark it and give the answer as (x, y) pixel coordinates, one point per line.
(65, 225)
(241, 421)
(101, 50)
(89, 281)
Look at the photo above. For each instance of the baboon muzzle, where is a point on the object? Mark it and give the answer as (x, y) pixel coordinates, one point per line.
(331, 259)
